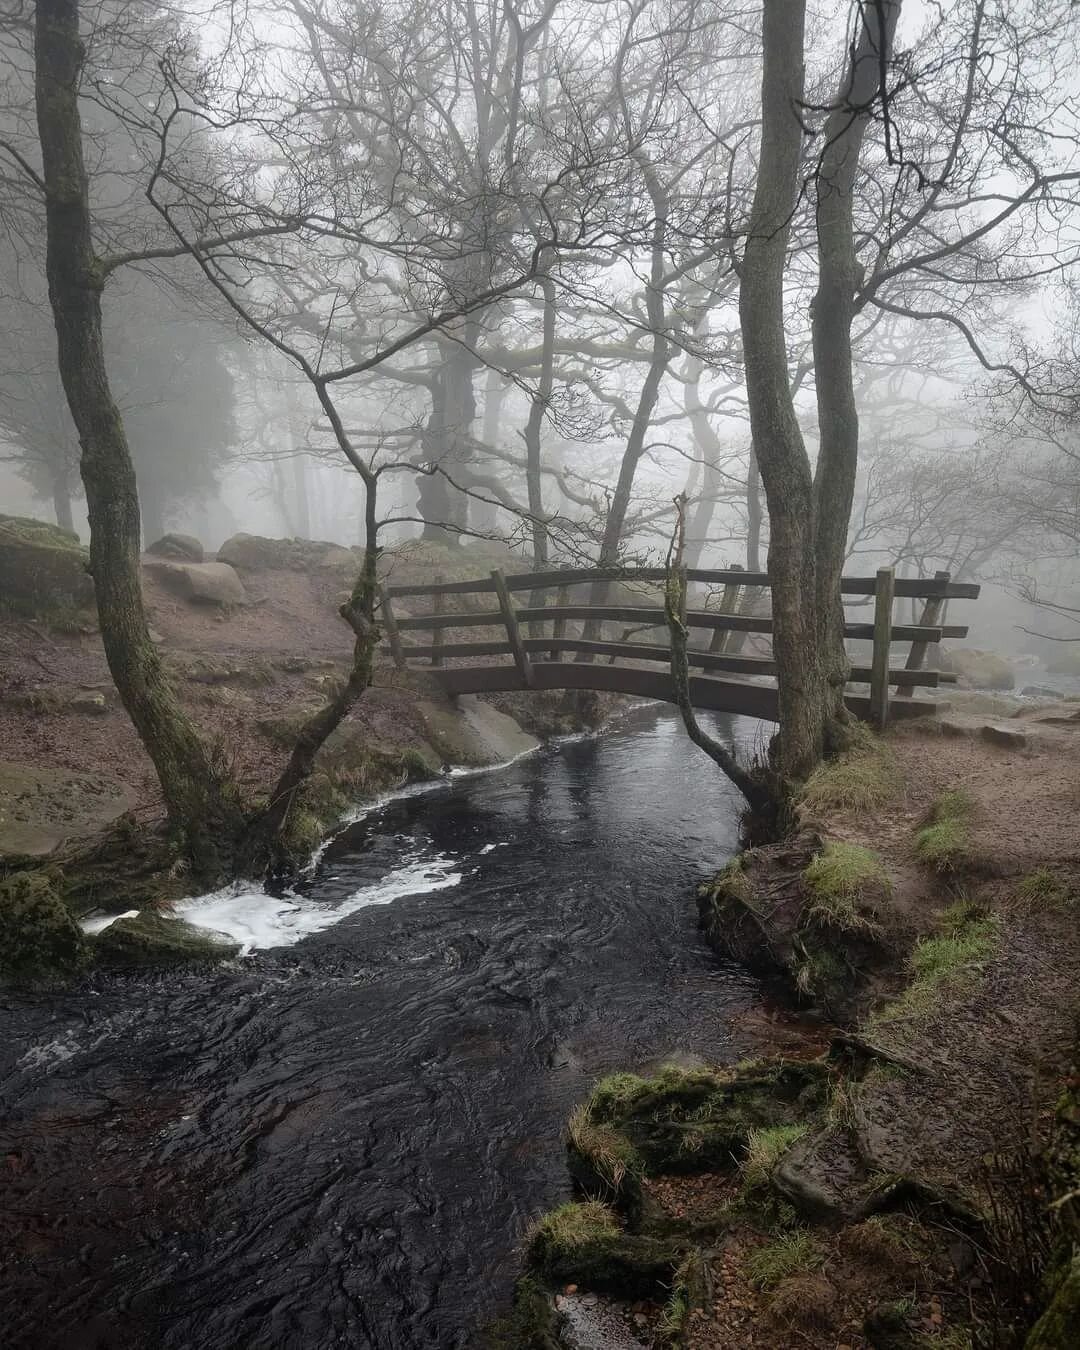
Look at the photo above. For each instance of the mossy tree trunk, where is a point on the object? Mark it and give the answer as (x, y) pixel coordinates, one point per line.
(199, 802)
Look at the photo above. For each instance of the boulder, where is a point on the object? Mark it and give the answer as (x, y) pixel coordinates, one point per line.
(256, 553)
(89, 702)
(213, 583)
(976, 669)
(1012, 738)
(149, 939)
(1040, 691)
(180, 547)
(43, 569)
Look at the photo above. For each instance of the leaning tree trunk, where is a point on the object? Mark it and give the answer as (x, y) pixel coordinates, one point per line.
(197, 803)
(656, 313)
(782, 458)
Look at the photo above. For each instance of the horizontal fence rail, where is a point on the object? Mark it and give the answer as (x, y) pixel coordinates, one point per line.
(916, 588)
(536, 660)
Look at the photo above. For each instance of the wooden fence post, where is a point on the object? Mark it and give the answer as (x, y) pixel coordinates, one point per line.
(513, 631)
(879, 668)
(931, 617)
(390, 624)
(558, 629)
(437, 633)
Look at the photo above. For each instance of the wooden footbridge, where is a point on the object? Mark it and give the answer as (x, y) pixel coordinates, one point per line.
(537, 636)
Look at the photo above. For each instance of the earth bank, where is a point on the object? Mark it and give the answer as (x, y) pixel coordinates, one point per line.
(910, 1177)
(254, 644)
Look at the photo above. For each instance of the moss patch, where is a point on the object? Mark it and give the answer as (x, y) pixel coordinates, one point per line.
(39, 939)
(584, 1243)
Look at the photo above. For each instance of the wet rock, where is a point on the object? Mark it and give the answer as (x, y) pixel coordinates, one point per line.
(976, 669)
(151, 939)
(1040, 691)
(213, 583)
(39, 939)
(43, 569)
(1011, 738)
(181, 547)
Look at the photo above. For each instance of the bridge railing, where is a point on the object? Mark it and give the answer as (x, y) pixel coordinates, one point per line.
(535, 650)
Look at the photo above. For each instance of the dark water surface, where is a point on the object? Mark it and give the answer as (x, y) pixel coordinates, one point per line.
(340, 1142)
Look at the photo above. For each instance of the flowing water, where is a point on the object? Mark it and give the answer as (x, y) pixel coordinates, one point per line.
(339, 1139)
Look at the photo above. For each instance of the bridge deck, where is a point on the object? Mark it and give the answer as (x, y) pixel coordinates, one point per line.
(706, 691)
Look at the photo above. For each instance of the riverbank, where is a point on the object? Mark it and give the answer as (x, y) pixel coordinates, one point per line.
(894, 1190)
(248, 674)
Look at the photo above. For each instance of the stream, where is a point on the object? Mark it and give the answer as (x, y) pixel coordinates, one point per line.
(340, 1138)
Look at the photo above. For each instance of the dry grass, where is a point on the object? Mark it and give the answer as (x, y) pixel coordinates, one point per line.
(865, 778)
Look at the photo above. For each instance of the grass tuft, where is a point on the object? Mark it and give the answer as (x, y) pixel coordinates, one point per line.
(793, 1254)
(1042, 889)
(863, 779)
(764, 1149)
(837, 878)
(948, 958)
(575, 1224)
(611, 1153)
(942, 843)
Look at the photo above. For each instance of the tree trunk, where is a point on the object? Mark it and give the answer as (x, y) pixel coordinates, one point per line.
(782, 458)
(656, 312)
(199, 806)
(832, 313)
(533, 440)
(808, 514)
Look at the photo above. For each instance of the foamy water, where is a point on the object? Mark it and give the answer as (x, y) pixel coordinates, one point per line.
(251, 917)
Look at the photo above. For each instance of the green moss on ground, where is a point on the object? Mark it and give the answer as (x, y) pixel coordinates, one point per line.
(39, 939)
(700, 1120)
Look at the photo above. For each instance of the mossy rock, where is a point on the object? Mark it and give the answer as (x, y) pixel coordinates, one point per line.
(1059, 1326)
(43, 569)
(699, 1120)
(39, 939)
(256, 553)
(583, 1244)
(533, 1323)
(153, 940)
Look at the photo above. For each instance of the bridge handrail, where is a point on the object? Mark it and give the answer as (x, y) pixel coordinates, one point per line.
(652, 616)
(915, 588)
